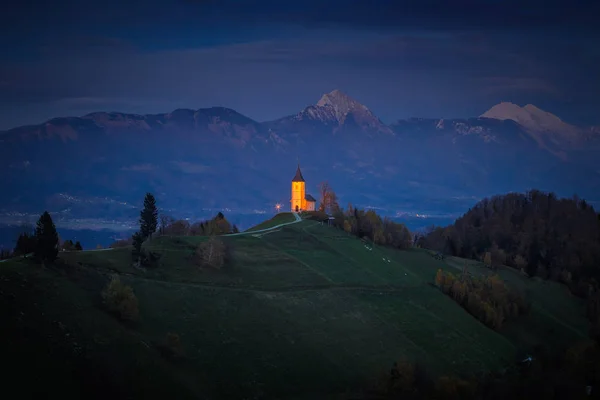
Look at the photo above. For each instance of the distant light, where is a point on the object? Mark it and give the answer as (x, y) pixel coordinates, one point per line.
(277, 206)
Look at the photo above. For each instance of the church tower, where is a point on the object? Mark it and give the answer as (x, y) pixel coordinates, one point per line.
(298, 201)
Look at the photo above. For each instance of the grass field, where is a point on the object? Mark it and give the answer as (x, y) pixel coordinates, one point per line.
(280, 218)
(304, 312)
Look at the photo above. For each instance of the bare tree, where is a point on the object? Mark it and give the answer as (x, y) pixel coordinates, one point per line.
(212, 252)
(324, 190)
(465, 271)
(328, 199)
(487, 259)
(520, 262)
(180, 227)
(165, 222)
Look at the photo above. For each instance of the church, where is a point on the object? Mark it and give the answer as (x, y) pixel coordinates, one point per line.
(300, 200)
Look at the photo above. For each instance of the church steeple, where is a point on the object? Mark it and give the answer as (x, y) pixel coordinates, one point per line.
(298, 177)
(300, 200)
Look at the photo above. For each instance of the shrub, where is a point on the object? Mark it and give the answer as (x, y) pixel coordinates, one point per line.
(520, 262)
(171, 347)
(67, 245)
(179, 227)
(212, 253)
(488, 298)
(453, 388)
(347, 226)
(315, 216)
(121, 243)
(148, 259)
(402, 377)
(120, 299)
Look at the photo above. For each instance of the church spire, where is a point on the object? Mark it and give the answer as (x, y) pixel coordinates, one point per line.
(298, 177)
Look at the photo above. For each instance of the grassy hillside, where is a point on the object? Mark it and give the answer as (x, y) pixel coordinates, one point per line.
(280, 218)
(304, 312)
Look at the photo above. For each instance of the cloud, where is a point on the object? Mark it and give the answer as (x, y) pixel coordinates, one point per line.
(139, 168)
(396, 74)
(191, 168)
(575, 16)
(29, 17)
(504, 85)
(88, 45)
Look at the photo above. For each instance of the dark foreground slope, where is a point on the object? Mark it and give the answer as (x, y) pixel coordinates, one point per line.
(302, 312)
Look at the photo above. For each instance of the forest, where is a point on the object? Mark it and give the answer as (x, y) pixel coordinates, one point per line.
(536, 232)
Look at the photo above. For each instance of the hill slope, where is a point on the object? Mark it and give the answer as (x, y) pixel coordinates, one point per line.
(305, 311)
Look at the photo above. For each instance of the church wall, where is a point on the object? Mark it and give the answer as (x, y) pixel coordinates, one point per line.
(298, 194)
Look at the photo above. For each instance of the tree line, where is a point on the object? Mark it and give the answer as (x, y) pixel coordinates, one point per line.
(215, 226)
(488, 299)
(535, 232)
(364, 224)
(43, 242)
(213, 253)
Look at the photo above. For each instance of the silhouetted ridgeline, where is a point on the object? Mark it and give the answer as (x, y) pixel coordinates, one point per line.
(536, 232)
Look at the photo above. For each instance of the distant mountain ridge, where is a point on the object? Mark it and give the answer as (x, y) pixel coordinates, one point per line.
(215, 157)
(334, 110)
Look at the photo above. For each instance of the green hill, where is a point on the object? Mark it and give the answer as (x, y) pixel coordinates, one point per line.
(306, 311)
(280, 218)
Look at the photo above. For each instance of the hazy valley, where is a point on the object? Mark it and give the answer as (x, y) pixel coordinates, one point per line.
(91, 172)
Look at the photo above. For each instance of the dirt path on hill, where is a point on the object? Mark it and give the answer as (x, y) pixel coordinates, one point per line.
(260, 231)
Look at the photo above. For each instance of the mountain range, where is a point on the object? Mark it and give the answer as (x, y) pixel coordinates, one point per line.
(98, 166)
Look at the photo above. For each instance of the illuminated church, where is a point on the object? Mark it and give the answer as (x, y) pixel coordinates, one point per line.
(300, 200)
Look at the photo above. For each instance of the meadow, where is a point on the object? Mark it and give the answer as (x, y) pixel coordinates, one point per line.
(306, 311)
(280, 218)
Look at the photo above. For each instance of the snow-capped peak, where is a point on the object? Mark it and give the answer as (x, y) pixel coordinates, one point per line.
(531, 118)
(340, 112)
(342, 104)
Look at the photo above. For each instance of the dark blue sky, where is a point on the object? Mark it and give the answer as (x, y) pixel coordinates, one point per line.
(266, 59)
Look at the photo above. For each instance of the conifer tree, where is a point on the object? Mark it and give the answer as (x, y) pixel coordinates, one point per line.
(68, 245)
(78, 246)
(148, 217)
(22, 244)
(25, 241)
(46, 247)
(137, 244)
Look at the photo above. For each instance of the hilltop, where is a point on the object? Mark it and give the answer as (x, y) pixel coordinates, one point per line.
(302, 310)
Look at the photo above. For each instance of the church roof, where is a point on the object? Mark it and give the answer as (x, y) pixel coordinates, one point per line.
(308, 197)
(298, 177)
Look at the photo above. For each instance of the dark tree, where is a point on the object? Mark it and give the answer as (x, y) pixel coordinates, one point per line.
(534, 232)
(46, 247)
(78, 246)
(25, 244)
(68, 245)
(148, 217)
(5, 254)
(137, 244)
(235, 229)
